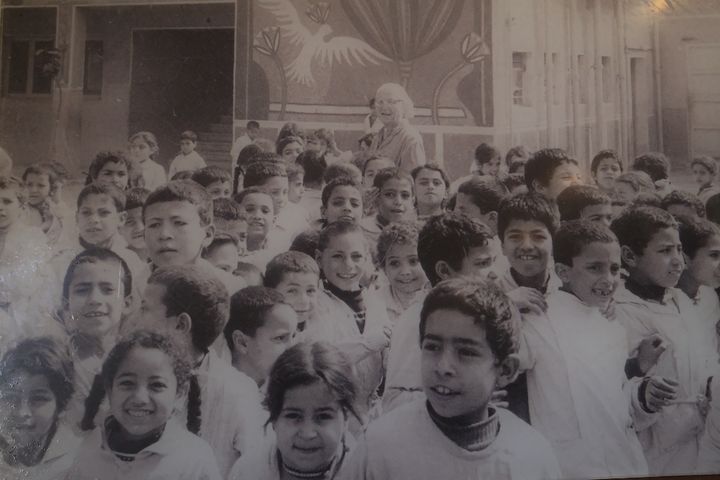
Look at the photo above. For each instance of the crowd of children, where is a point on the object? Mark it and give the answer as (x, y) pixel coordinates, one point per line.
(314, 313)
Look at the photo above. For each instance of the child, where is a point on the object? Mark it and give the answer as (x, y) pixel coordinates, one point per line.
(628, 186)
(372, 166)
(296, 178)
(145, 378)
(397, 257)
(110, 168)
(288, 148)
(549, 171)
(605, 168)
(516, 158)
(709, 456)
(394, 203)
(188, 159)
(223, 252)
(515, 183)
(216, 181)
(657, 166)
(580, 399)
(585, 202)
(41, 181)
(323, 141)
(178, 225)
(650, 306)
(260, 328)
(469, 345)
(297, 277)
(36, 384)
(245, 157)
(250, 273)
(314, 167)
(229, 219)
(341, 200)
(704, 171)
(683, 203)
(487, 161)
(306, 242)
(144, 150)
(191, 306)
(311, 394)
(337, 170)
(252, 131)
(431, 187)
(258, 208)
(133, 230)
(449, 246)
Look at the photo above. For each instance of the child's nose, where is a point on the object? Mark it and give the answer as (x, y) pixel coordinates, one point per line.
(307, 430)
(445, 364)
(140, 395)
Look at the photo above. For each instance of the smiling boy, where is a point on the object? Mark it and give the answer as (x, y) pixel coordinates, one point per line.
(549, 171)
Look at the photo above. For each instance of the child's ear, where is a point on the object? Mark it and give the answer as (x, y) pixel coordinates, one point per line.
(128, 302)
(122, 216)
(538, 187)
(209, 235)
(508, 370)
(628, 256)
(184, 323)
(563, 272)
(443, 270)
(240, 342)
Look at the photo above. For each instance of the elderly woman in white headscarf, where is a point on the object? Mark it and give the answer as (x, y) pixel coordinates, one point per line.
(397, 139)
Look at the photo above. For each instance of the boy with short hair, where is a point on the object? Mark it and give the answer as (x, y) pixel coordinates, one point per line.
(585, 202)
(657, 166)
(647, 306)
(297, 276)
(190, 304)
(223, 252)
(683, 203)
(252, 130)
(188, 159)
(250, 273)
(133, 230)
(314, 167)
(257, 206)
(296, 179)
(704, 169)
(217, 181)
(605, 168)
(469, 343)
(550, 170)
(229, 218)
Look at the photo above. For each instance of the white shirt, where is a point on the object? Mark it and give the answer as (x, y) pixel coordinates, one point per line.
(239, 143)
(182, 163)
(153, 174)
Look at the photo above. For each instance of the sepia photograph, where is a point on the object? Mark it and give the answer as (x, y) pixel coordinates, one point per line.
(359, 239)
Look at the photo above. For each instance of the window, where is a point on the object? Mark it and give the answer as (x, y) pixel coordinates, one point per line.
(25, 67)
(607, 80)
(93, 79)
(582, 72)
(521, 79)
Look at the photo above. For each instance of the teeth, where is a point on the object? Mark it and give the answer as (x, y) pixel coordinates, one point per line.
(94, 314)
(346, 276)
(443, 390)
(138, 413)
(527, 257)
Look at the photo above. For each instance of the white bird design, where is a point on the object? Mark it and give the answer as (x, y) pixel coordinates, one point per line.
(316, 46)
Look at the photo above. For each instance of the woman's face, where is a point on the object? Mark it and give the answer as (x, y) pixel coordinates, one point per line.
(140, 150)
(389, 106)
(291, 151)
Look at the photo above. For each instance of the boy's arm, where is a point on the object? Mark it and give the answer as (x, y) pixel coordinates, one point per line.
(709, 455)
(642, 418)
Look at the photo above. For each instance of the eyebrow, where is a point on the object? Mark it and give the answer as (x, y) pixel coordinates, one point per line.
(454, 340)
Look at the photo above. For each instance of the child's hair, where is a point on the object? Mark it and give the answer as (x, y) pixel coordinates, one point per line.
(515, 152)
(117, 195)
(637, 180)
(305, 364)
(337, 170)
(149, 340)
(647, 199)
(183, 175)
(306, 242)
(44, 356)
(391, 173)
(712, 208)
(708, 163)
(515, 167)
(452, 201)
(220, 239)
(488, 306)
(290, 129)
(573, 199)
(252, 124)
(42, 169)
(485, 192)
(366, 140)
(285, 141)
(246, 269)
(244, 158)
(573, 236)
(227, 209)
(150, 139)
(695, 233)
(183, 191)
(198, 293)
(485, 153)
(435, 168)
(400, 233)
(240, 196)
(103, 158)
(189, 135)
(372, 158)
(14, 183)
(288, 262)
(335, 229)
(258, 173)
(513, 180)
(635, 227)
(96, 255)
(602, 155)
(248, 309)
(680, 197)
(655, 164)
(324, 134)
(449, 237)
(328, 189)
(529, 207)
(206, 176)
(314, 166)
(294, 171)
(542, 165)
(136, 197)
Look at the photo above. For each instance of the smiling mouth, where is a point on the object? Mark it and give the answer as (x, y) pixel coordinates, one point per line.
(444, 391)
(347, 276)
(527, 257)
(95, 314)
(602, 292)
(138, 413)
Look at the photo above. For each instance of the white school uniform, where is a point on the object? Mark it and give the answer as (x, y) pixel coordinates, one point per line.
(406, 444)
(183, 163)
(709, 456)
(291, 221)
(154, 174)
(55, 463)
(705, 313)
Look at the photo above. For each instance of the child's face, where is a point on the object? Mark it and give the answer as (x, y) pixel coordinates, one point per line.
(679, 209)
(277, 188)
(465, 206)
(479, 263)
(113, 173)
(38, 188)
(271, 340)
(564, 175)
(459, 370)
(598, 214)
(98, 219)
(187, 146)
(371, 169)
(395, 201)
(317, 145)
(174, 234)
(144, 392)
(96, 299)
(430, 188)
(290, 152)
(661, 263)
(237, 228)
(344, 203)
(140, 150)
(705, 265)
(403, 270)
(28, 410)
(702, 175)
(258, 208)
(527, 244)
(219, 190)
(134, 229)
(10, 208)
(296, 189)
(607, 171)
(491, 168)
(594, 274)
(624, 192)
(343, 261)
(310, 427)
(300, 292)
(225, 257)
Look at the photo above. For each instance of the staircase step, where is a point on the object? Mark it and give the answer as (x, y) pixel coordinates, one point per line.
(221, 128)
(226, 119)
(214, 137)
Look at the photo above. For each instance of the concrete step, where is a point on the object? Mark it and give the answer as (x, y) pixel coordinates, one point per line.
(209, 137)
(226, 119)
(221, 128)
(215, 147)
